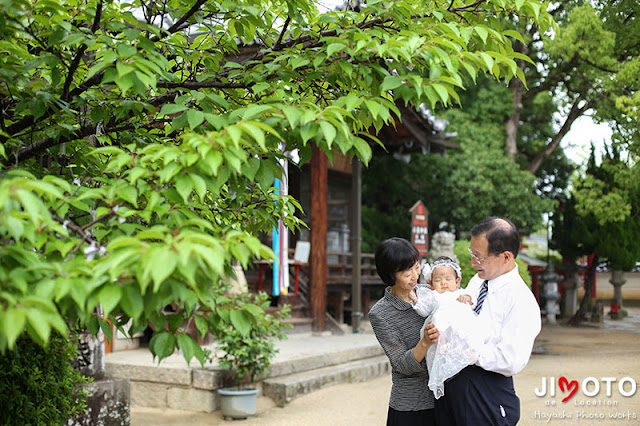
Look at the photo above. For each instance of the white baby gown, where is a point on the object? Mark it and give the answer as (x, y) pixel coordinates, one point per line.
(461, 335)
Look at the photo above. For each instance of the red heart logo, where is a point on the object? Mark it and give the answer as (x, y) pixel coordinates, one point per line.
(572, 386)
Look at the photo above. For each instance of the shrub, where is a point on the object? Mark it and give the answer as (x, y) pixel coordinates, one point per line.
(38, 385)
(248, 342)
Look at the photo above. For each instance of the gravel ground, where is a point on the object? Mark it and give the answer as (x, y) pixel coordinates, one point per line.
(610, 350)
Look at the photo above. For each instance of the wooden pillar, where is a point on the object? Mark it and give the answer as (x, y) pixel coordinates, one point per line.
(356, 243)
(318, 225)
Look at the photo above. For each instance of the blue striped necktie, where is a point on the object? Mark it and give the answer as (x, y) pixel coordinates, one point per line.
(482, 296)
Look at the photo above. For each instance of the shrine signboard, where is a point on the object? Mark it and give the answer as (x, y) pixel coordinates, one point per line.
(419, 228)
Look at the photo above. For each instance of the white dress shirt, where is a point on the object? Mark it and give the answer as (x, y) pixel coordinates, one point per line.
(511, 316)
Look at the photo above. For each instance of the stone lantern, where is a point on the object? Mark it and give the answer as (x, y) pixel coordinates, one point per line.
(617, 280)
(551, 295)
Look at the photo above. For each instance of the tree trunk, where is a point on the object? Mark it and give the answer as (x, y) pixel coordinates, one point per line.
(584, 303)
(512, 124)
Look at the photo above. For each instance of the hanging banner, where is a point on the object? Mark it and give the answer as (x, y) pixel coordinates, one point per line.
(280, 240)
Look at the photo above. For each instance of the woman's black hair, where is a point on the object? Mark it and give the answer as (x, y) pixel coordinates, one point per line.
(395, 255)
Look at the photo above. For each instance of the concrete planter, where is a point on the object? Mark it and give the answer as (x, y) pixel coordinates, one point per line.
(238, 403)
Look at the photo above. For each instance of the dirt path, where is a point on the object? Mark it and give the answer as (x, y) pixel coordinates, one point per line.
(573, 353)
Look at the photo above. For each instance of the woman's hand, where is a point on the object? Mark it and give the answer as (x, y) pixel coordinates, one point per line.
(431, 333)
(430, 337)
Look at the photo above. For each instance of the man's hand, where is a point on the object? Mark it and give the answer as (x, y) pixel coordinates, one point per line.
(465, 298)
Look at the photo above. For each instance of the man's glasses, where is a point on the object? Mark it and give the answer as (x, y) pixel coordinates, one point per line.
(479, 260)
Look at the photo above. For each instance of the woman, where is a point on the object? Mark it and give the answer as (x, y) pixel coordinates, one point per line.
(397, 327)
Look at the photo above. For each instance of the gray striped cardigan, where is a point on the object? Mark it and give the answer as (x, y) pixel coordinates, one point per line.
(397, 328)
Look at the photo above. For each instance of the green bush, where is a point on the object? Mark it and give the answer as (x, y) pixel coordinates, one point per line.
(460, 249)
(38, 385)
(248, 342)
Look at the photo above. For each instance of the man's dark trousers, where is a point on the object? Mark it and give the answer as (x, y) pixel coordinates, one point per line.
(477, 397)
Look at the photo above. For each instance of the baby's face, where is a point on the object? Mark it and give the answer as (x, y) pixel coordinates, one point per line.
(444, 279)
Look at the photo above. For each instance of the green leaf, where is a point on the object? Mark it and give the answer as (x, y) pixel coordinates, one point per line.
(30, 203)
(15, 227)
(256, 133)
(214, 160)
(132, 301)
(514, 34)
(254, 111)
(189, 347)
(39, 323)
(374, 108)
(162, 344)
(106, 328)
(335, 47)
(241, 321)
(390, 82)
(169, 109)
(162, 264)
(12, 322)
(488, 60)
(328, 131)
(298, 62)
(195, 118)
(483, 33)
(442, 92)
(201, 325)
(129, 193)
(184, 186)
(292, 115)
(199, 184)
(109, 297)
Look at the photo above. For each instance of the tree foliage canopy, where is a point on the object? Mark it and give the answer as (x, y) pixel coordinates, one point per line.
(461, 187)
(602, 215)
(141, 139)
(589, 66)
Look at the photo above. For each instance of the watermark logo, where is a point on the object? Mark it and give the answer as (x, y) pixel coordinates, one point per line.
(589, 387)
(594, 398)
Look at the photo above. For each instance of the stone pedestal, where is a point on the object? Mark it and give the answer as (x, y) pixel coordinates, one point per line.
(617, 280)
(109, 400)
(551, 295)
(108, 404)
(570, 285)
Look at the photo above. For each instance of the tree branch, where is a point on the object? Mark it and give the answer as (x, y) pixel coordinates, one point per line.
(175, 27)
(80, 53)
(84, 131)
(473, 5)
(574, 114)
(284, 29)
(78, 230)
(202, 85)
(98, 219)
(84, 86)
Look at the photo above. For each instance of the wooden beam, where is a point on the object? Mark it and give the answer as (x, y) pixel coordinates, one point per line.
(318, 225)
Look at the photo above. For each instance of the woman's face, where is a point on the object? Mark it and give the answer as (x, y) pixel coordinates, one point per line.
(407, 280)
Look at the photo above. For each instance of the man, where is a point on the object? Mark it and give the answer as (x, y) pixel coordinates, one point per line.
(483, 394)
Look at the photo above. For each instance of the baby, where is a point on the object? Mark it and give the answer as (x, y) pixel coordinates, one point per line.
(449, 308)
(443, 276)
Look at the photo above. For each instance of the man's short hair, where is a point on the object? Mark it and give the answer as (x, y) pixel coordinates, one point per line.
(394, 255)
(501, 234)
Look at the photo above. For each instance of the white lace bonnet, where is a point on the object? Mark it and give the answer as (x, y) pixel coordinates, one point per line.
(428, 269)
